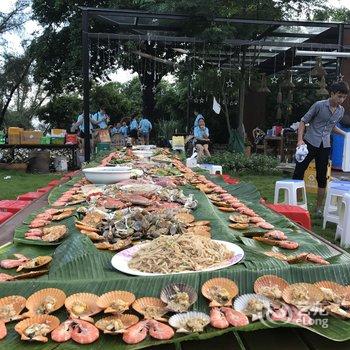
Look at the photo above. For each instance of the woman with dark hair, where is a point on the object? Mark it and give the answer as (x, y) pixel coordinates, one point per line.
(321, 119)
(201, 134)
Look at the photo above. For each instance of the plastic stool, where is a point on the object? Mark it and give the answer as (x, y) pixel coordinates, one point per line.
(30, 196)
(343, 228)
(13, 206)
(44, 189)
(54, 182)
(212, 168)
(293, 212)
(290, 188)
(4, 215)
(335, 193)
(230, 180)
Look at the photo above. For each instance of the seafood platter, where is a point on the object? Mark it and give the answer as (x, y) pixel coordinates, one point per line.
(167, 221)
(84, 317)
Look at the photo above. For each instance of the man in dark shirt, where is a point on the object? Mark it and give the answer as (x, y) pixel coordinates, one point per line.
(321, 118)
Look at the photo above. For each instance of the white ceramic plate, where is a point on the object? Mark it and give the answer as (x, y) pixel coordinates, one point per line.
(120, 260)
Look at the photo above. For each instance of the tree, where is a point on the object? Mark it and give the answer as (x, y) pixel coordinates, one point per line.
(14, 19)
(14, 72)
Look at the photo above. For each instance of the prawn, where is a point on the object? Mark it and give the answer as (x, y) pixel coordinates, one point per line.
(218, 319)
(84, 332)
(159, 330)
(234, 317)
(63, 332)
(3, 330)
(136, 333)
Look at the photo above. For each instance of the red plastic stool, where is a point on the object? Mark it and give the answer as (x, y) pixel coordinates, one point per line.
(230, 180)
(54, 182)
(45, 189)
(30, 196)
(12, 206)
(293, 212)
(4, 215)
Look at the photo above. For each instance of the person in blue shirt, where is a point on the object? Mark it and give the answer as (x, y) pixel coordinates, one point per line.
(100, 119)
(145, 128)
(116, 129)
(201, 135)
(123, 130)
(198, 117)
(133, 130)
(81, 133)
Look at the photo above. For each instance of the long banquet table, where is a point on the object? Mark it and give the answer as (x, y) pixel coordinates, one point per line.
(78, 266)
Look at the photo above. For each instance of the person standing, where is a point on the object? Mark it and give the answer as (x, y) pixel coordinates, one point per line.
(124, 130)
(100, 119)
(321, 118)
(79, 124)
(201, 134)
(198, 117)
(145, 128)
(133, 130)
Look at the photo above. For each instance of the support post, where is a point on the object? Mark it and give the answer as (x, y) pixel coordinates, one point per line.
(340, 43)
(86, 85)
(189, 94)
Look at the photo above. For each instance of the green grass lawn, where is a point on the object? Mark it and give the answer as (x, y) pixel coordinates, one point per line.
(266, 186)
(21, 182)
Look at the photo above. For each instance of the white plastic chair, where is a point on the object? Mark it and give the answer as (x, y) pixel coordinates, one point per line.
(290, 188)
(343, 228)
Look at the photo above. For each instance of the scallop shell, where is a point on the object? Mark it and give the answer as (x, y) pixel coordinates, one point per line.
(18, 303)
(241, 303)
(51, 321)
(91, 305)
(227, 284)
(179, 321)
(270, 281)
(337, 288)
(186, 218)
(40, 261)
(171, 289)
(314, 293)
(141, 305)
(35, 300)
(105, 300)
(126, 319)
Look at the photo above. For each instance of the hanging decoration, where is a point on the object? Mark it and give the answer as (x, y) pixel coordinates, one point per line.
(279, 95)
(274, 79)
(263, 87)
(322, 91)
(279, 103)
(318, 71)
(287, 82)
(229, 82)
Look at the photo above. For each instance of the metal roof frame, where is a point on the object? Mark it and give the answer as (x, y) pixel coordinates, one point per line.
(135, 25)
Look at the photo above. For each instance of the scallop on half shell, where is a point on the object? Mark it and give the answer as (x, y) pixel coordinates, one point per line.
(178, 296)
(189, 322)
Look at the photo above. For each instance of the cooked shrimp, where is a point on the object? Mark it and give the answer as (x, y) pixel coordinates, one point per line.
(84, 332)
(235, 318)
(136, 333)
(63, 332)
(159, 330)
(3, 330)
(218, 319)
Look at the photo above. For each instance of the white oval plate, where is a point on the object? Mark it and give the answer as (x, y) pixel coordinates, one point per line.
(120, 260)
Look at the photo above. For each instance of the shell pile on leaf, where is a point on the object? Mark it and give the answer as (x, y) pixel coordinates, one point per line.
(116, 324)
(271, 286)
(189, 322)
